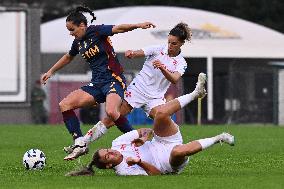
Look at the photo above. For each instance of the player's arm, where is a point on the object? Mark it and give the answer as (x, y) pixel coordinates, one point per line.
(64, 60)
(145, 132)
(121, 28)
(144, 135)
(149, 168)
(133, 54)
(173, 77)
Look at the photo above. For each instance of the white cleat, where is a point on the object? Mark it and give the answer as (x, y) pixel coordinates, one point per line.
(227, 138)
(200, 85)
(202, 78)
(69, 149)
(79, 148)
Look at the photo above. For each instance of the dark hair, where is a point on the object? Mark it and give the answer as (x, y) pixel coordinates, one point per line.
(96, 161)
(182, 31)
(77, 17)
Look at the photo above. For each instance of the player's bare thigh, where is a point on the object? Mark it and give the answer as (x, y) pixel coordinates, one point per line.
(180, 153)
(76, 99)
(113, 102)
(163, 124)
(125, 109)
(153, 111)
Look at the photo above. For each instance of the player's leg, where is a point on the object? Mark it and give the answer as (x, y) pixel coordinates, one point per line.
(153, 112)
(180, 153)
(82, 143)
(80, 146)
(163, 125)
(155, 109)
(102, 126)
(113, 103)
(74, 100)
(114, 95)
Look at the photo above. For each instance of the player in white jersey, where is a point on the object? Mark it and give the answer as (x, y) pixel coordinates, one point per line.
(132, 154)
(163, 65)
(152, 82)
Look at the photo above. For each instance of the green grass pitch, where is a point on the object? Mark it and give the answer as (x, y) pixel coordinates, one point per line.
(256, 161)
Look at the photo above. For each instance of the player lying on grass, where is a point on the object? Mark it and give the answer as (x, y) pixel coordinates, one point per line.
(132, 154)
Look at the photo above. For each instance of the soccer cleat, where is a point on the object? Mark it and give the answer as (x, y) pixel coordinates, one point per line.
(200, 88)
(69, 149)
(80, 148)
(227, 138)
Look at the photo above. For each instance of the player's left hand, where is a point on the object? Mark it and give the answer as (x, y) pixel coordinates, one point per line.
(129, 54)
(146, 25)
(132, 161)
(158, 65)
(138, 142)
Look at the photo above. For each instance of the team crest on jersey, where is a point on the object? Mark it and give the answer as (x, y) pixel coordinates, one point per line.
(123, 146)
(127, 93)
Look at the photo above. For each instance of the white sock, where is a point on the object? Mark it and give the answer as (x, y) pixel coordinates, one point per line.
(96, 132)
(186, 99)
(207, 142)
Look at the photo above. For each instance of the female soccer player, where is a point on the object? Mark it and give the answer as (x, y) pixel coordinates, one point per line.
(163, 65)
(108, 83)
(132, 154)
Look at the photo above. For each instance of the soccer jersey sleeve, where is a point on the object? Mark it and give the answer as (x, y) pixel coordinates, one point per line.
(74, 48)
(102, 30)
(131, 170)
(152, 50)
(181, 67)
(126, 138)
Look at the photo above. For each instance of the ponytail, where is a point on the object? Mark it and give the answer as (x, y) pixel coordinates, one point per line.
(77, 17)
(86, 9)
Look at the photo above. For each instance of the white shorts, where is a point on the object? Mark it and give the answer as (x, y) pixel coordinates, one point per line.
(136, 99)
(161, 148)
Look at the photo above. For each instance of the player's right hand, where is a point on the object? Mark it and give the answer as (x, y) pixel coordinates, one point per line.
(146, 25)
(45, 77)
(132, 161)
(158, 64)
(138, 142)
(129, 54)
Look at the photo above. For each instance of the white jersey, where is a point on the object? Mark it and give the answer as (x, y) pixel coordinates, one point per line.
(150, 81)
(124, 146)
(156, 152)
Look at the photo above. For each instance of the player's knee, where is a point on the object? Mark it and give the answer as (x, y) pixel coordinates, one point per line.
(61, 105)
(160, 114)
(112, 114)
(107, 122)
(177, 152)
(64, 106)
(154, 111)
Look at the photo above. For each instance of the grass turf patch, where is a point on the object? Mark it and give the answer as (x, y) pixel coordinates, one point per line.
(256, 161)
